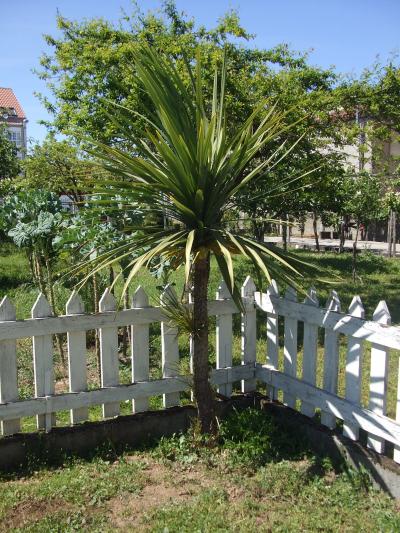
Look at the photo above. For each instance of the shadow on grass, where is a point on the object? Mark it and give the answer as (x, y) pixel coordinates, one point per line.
(248, 439)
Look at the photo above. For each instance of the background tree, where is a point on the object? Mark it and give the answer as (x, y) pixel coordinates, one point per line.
(372, 106)
(93, 60)
(9, 162)
(59, 167)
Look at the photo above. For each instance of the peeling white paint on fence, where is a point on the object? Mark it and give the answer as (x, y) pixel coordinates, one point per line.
(282, 316)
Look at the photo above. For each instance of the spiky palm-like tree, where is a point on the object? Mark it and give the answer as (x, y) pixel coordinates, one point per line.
(188, 168)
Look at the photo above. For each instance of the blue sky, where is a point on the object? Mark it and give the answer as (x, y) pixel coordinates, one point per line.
(348, 34)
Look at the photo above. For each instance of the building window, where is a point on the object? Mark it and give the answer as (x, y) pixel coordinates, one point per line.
(15, 136)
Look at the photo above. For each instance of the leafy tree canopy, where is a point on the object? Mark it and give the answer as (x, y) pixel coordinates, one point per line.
(94, 60)
(57, 166)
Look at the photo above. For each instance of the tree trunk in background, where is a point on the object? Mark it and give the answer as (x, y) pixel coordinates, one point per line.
(284, 236)
(259, 231)
(96, 310)
(315, 219)
(39, 274)
(342, 236)
(203, 392)
(391, 234)
(111, 278)
(354, 260)
(53, 307)
(31, 260)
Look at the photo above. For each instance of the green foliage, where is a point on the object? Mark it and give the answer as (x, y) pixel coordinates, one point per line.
(57, 166)
(32, 219)
(363, 197)
(9, 162)
(93, 60)
(252, 438)
(246, 439)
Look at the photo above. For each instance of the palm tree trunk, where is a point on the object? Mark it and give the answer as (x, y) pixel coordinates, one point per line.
(203, 393)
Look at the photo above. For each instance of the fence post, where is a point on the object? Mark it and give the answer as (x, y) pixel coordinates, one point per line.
(310, 352)
(109, 354)
(140, 350)
(354, 359)
(224, 338)
(272, 338)
(290, 348)
(331, 360)
(8, 368)
(43, 362)
(249, 332)
(169, 349)
(379, 375)
(76, 342)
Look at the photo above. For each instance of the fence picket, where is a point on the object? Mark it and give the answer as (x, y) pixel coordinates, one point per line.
(355, 350)
(379, 376)
(76, 342)
(224, 338)
(272, 338)
(331, 360)
(249, 332)
(290, 348)
(8, 368)
(169, 349)
(310, 352)
(140, 350)
(42, 346)
(109, 354)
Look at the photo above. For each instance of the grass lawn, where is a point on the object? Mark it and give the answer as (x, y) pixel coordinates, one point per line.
(257, 478)
(377, 279)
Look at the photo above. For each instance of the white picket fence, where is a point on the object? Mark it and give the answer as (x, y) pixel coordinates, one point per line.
(280, 371)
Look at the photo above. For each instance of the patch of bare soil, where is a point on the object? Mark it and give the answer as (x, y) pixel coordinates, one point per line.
(30, 511)
(164, 485)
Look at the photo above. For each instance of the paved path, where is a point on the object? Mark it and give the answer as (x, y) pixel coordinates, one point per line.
(333, 244)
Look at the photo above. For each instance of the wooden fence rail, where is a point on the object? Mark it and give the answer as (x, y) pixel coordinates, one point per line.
(293, 364)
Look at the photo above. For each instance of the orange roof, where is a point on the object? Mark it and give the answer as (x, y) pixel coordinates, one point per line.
(9, 100)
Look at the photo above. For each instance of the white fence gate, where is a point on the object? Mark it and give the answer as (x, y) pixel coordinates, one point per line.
(279, 370)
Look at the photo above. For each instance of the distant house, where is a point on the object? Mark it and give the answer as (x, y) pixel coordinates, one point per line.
(13, 116)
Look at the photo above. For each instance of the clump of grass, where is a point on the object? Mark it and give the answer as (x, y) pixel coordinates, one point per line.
(248, 439)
